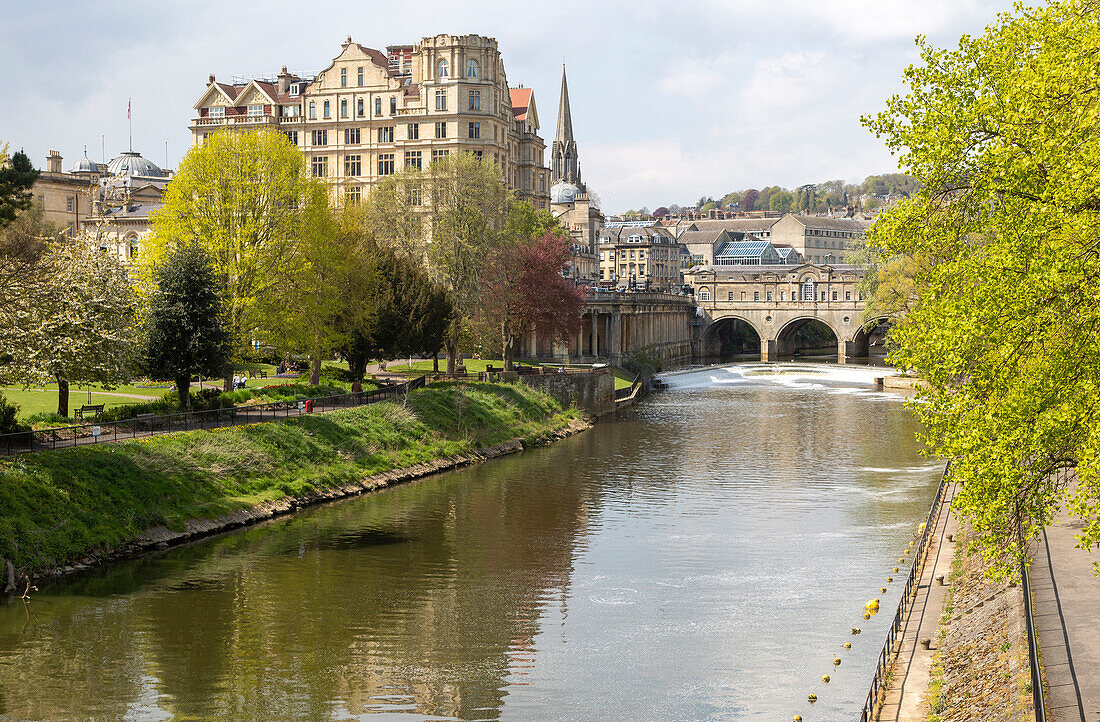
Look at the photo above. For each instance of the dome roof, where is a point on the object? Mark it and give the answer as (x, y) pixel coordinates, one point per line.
(85, 165)
(133, 165)
(563, 192)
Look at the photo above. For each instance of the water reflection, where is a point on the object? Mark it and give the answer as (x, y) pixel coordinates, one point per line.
(702, 557)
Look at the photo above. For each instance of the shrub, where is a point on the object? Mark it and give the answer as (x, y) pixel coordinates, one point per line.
(9, 411)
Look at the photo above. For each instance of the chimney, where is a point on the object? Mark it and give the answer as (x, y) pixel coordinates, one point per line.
(53, 162)
(284, 81)
(210, 80)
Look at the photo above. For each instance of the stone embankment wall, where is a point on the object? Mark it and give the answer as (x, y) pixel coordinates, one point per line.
(981, 670)
(593, 391)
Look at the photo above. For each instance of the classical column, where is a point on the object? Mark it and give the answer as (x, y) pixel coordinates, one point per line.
(595, 330)
(615, 337)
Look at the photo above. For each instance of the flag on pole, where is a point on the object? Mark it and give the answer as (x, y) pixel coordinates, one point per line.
(127, 108)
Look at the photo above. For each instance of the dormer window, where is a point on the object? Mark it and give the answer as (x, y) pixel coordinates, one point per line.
(218, 111)
(471, 68)
(443, 69)
(255, 111)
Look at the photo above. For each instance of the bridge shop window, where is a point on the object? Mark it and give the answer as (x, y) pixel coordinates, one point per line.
(769, 295)
(756, 295)
(834, 295)
(782, 295)
(704, 294)
(847, 295)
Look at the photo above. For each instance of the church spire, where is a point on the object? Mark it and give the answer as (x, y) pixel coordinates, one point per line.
(564, 164)
(565, 121)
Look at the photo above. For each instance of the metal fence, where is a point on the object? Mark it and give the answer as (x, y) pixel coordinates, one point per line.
(145, 425)
(878, 682)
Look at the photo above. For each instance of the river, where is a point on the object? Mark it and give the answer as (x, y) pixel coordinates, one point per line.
(703, 556)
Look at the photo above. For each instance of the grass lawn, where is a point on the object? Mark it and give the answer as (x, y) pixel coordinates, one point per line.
(34, 401)
(622, 378)
(57, 505)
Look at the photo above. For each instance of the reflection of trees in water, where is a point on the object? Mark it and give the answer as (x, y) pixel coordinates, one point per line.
(424, 590)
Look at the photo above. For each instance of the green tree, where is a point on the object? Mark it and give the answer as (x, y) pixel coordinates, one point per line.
(781, 201)
(186, 334)
(79, 326)
(23, 244)
(468, 207)
(17, 176)
(1004, 238)
(244, 197)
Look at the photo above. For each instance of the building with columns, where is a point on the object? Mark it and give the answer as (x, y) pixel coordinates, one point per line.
(369, 113)
(106, 203)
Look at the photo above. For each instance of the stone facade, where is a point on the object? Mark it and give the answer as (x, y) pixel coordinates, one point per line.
(108, 204)
(640, 255)
(776, 301)
(369, 114)
(819, 239)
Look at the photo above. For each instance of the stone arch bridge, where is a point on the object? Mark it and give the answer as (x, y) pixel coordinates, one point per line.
(776, 302)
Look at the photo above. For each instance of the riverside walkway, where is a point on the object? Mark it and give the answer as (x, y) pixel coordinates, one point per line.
(905, 697)
(1066, 596)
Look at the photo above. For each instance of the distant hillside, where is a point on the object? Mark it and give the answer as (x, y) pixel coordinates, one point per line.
(813, 197)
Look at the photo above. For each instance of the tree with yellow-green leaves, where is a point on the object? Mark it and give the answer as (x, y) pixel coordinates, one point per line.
(247, 199)
(454, 215)
(996, 263)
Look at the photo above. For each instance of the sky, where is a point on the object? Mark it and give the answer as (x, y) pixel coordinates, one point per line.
(670, 101)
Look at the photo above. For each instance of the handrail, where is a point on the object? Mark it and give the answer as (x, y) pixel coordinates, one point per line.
(878, 682)
(1032, 647)
(143, 426)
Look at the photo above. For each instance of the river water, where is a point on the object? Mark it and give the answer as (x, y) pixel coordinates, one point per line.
(704, 556)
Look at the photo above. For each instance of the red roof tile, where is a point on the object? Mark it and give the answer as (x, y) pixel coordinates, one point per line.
(521, 101)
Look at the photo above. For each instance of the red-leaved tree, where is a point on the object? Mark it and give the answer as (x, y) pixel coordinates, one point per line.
(523, 290)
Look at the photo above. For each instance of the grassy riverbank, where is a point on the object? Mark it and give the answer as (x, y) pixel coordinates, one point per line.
(61, 505)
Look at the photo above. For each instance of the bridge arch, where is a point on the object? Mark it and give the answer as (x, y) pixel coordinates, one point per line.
(730, 336)
(806, 334)
(869, 338)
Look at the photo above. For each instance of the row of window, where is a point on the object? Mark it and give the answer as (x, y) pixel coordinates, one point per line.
(628, 270)
(473, 104)
(353, 164)
(443, 70)
(661, 254)
(354, 136)
(806, 293)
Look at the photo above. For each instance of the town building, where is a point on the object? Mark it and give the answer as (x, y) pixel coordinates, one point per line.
(639, 255)
(569, 199)
(773, 285)
(819, 239)
(106, 203)
(369, 113)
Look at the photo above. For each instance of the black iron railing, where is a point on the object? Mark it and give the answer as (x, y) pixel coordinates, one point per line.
(878, 682)
(145, 425)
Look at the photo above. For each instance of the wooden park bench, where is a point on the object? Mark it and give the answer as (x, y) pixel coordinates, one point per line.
(93, 409)
(261, 374)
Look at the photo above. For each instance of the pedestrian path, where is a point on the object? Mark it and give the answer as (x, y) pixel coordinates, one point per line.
(1066, 602)
(905, 697)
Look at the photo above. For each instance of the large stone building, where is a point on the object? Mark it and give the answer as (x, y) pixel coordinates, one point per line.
(106, 203)
(569, 199)
(819, 239)
(369, 114)
(640, 255)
